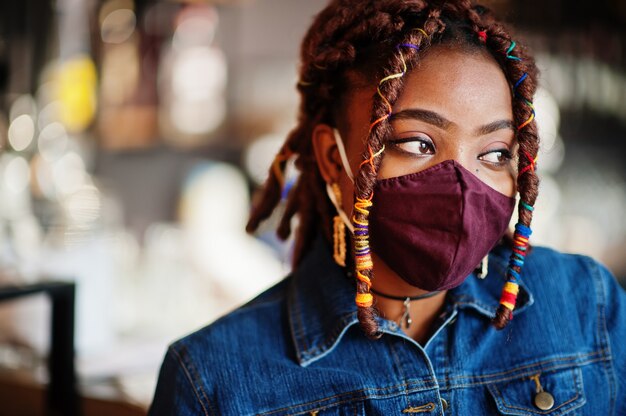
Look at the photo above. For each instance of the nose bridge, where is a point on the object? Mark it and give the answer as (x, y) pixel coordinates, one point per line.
(458, 151)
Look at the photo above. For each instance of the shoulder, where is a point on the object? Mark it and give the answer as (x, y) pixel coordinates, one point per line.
(228, 352)
(544, 259)
(254, 328)
(552, 273)
(573, 295)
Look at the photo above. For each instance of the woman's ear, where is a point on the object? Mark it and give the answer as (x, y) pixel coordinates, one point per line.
(326, 152)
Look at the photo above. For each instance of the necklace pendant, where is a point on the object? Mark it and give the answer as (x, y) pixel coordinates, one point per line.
(406, 316)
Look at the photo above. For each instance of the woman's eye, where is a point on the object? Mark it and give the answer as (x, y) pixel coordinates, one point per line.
(416, 146)
(496, 157)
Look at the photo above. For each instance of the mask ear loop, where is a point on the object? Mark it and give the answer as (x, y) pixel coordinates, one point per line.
(341, 212)
(343, 155)
(329, 189)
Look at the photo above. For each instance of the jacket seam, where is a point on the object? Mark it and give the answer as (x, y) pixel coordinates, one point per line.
(301, 412)
(524, 374)
(565, 360)
(295, 318)
(355, 397)
(602, 329)
(188, 368)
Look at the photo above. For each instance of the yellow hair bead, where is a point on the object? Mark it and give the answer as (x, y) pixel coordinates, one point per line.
(421, 31)
(511, 288)
(364, 264)
(364, 300)
(362, 205)
(364, 279)
(508, 305)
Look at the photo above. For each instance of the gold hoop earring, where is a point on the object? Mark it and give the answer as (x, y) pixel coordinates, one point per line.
(339, 232)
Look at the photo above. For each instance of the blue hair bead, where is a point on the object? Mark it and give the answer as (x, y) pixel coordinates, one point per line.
(513, 273)
(523, 230)
(517, 262)
(519, 81)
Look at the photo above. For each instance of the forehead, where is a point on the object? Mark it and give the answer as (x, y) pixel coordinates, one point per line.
(466, 87)
(457, 84)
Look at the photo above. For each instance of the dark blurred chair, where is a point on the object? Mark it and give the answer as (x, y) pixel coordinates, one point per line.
(62, 398)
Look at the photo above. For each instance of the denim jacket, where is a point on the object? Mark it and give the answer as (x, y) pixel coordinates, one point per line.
(297, 349)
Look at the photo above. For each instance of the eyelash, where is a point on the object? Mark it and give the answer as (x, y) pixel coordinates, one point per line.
(422, 140)
(506, 153)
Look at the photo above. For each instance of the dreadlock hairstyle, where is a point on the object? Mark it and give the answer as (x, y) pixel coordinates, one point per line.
(381, 40)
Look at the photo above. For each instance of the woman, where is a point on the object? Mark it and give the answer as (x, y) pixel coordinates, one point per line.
(415, 134)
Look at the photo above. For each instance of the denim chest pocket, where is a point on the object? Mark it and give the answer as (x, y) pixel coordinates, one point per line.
(544, 393)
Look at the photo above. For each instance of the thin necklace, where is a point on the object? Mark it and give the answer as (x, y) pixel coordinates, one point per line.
(406, 316)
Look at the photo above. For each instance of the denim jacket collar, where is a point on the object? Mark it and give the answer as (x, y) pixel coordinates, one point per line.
(321, 304)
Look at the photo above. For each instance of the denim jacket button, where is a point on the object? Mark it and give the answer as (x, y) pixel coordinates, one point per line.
(444, 404)
(544, 400)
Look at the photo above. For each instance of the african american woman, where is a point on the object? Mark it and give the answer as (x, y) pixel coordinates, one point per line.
(416, 146)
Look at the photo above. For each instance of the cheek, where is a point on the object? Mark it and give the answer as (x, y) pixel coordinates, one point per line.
(503, 181)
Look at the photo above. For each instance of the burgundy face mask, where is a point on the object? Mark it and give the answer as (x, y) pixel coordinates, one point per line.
(433, 227)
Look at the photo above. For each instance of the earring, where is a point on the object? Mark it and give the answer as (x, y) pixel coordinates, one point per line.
(339, 232)
(483, 268)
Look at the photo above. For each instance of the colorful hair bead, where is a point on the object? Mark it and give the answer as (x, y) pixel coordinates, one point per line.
(527, 206)
(531, 117)
(362, 252)
(482, 35)
(517, 84)
(508, 52)
(520, 246)
(532, 162)
(393, 76)
(509, 295)
(364, 300)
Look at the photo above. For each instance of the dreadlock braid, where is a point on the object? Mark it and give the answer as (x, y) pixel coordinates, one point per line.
(382, 39)
(521, 72)
(388, 90)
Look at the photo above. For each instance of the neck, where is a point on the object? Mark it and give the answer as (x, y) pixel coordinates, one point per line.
(422, 312)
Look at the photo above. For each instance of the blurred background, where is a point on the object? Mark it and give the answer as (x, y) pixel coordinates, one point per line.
(135, 133)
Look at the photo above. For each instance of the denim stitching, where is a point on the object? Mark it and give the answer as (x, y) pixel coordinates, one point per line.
(295, 319)
(317, 409)
(355, 398)
(525, 374)
(192, 381)
(331, 339)
(399, 367)
(538, 363)
(604, 335)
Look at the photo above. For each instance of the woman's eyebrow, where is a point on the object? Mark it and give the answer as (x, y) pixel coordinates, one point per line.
(426, 116)
(440, 121)
(494, 126)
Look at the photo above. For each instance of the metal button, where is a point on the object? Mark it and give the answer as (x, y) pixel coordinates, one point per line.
(444, 404)
(544, 400)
